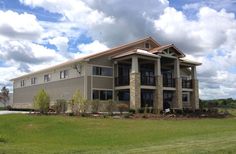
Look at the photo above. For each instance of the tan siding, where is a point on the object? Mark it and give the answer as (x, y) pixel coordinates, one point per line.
(56, 90)
(103, 82)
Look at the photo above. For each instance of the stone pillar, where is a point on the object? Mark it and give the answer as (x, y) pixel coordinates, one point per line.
(158, 97)
(135, 86)
(194, 93)
(178, 85)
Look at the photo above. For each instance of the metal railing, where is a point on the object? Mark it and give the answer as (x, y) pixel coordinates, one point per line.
(186, 83)
(148, 80)
(168, 82)
(122, 81)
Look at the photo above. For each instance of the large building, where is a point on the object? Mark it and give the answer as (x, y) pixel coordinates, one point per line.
(141, 73)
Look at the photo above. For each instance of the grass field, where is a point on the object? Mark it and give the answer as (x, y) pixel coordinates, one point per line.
(57, 134)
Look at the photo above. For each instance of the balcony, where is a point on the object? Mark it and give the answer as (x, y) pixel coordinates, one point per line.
(148, 80)
(122, 81)
(168, 82)
(186, 83)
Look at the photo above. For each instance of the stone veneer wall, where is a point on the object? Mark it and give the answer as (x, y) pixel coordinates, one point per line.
(178, 94)
(135, 91)
(158, 98)
(195, 95)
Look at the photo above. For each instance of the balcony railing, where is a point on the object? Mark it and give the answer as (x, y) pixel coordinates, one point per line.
(168, 82)
(148, 80)
(122, 81)
(186, 83)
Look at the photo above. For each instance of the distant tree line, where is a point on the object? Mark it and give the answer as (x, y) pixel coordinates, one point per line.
(219, 103)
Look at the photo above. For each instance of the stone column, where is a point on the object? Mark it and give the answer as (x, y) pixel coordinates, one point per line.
(194, 93)
(135, 86)
(178, 85)
(158, 97)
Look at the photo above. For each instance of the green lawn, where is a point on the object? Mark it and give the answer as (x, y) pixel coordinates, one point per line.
(57, 134)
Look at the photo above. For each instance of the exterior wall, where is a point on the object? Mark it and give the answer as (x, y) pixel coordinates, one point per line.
(158, 96)
(55, 76)
(23, 97)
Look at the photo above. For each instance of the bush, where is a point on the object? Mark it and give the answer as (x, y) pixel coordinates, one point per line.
(42, 101)
(110, 107)
(132, 111)
(95, 106)
(60, 106)
(122, 107)
(78, 103)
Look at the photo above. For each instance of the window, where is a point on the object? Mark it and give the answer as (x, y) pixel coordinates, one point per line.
(47, 77)
(102, 94)
(33, 80)
(64, 74)
(22, 83)
(103, 71)
(124, 95)
(185, 97)
(147, 45)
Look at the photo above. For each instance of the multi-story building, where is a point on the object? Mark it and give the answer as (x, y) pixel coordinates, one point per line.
(141, 73)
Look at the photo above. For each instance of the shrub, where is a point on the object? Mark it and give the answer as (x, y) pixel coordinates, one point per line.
(78, 103)
(42, 101)
(122, 107)
(132, 111)
(110, 107)
(95, 106)
(60, 106)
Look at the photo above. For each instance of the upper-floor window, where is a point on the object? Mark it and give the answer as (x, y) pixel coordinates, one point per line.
(103, 71)
(47, 77)
(22, 83)
(33, 80)
(64, 74)
(147, 45)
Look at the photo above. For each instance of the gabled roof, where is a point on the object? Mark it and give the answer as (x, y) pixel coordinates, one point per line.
(135, 51)
(94, 55)
(163, 47)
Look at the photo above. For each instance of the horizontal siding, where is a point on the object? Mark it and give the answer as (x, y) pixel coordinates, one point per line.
(59, 89)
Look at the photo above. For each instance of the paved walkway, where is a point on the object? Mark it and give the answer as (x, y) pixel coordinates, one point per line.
(12, 112)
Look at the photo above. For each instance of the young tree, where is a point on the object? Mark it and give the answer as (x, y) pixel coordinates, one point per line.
(78, 103)
(4, 95)
(42, 101)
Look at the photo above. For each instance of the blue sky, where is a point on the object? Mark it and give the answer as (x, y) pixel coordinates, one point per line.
(37, 34)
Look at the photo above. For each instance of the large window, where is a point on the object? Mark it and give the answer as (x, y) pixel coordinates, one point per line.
(124, 95)
(47, 77)
(102, 94)
(185, 97)
(22, 83)
(33, 80)
(103, 71)
(64, 74)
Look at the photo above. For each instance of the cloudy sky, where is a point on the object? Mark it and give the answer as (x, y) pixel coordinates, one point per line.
(39, 33)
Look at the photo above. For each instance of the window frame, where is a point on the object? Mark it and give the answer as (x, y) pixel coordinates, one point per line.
(102, 71)
(102, 95)
(33, 80)
(64, 74)
(47, 77)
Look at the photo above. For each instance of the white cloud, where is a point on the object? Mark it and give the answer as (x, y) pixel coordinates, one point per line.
(19, 26)
(60, 42)
(92, 47)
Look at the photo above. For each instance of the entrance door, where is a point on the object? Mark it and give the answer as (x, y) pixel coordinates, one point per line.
(147, 98)
(167, 99)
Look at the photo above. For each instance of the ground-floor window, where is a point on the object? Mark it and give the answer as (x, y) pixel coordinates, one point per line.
(123, 95)
(185, 97)
(102, 94)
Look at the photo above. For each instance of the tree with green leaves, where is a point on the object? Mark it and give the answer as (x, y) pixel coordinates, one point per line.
(4, 96)
(78, 103)
(42, 101)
